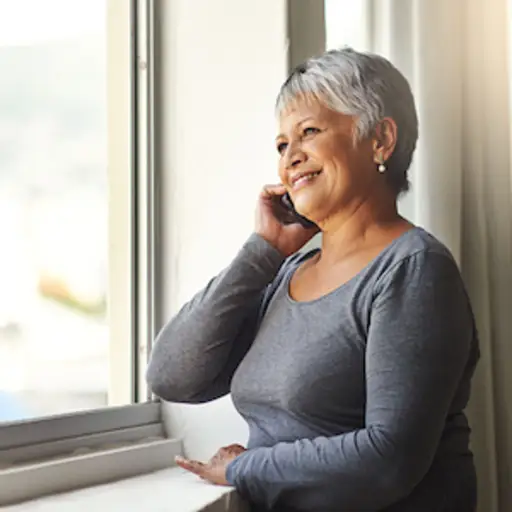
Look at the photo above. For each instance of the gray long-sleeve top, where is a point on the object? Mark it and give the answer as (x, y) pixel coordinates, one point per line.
(355, 400)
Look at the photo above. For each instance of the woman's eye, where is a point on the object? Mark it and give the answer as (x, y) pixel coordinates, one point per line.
(311, 130)
(281, 147)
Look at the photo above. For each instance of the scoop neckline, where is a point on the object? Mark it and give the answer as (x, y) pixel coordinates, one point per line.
(291, 300)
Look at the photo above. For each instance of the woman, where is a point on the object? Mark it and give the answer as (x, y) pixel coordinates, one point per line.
(351, 364)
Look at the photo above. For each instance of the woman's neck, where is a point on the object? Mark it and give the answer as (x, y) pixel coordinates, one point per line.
(359, 226)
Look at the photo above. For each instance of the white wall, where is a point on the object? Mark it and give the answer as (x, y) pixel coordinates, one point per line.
(221, 64)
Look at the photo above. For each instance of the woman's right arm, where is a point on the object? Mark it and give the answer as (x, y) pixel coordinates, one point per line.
(197, 352)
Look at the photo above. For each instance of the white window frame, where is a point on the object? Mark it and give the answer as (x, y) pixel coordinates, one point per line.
(64, 452)
(132, 197)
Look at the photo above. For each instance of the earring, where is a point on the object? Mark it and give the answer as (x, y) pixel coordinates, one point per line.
(381, 167)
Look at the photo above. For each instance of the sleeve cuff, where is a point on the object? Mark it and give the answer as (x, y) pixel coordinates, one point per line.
(232, 471)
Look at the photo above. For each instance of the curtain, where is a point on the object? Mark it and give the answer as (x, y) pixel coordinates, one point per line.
(456, 55)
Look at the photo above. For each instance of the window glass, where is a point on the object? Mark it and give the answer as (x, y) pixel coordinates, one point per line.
(54, 335)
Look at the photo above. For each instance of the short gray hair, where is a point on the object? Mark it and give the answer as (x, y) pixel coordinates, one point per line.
(364, 85)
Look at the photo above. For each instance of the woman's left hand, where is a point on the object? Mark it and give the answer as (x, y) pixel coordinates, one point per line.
(214, 470)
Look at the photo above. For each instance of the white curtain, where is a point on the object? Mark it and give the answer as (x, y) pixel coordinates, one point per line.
(456, 56)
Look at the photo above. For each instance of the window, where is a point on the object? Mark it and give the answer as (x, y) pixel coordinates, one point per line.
(70, 218)
(77, 199)
(54, 332)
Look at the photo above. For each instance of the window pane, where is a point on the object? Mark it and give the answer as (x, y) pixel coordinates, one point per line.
(54, 335)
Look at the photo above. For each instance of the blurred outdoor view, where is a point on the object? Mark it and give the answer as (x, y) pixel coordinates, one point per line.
(53, 207)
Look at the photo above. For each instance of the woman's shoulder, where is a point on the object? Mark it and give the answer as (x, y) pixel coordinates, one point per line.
(417, 242)
(419, 254)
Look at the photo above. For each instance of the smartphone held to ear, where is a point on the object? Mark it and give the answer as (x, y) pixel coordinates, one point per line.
(285, 212)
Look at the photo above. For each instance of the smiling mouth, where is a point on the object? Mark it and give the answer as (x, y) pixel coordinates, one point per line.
(305, 179)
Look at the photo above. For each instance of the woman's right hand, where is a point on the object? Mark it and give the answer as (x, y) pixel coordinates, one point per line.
(286, 238)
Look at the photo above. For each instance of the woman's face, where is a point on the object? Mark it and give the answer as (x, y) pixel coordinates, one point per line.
(321, 167)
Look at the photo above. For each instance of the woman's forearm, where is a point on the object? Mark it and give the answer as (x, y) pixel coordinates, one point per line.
(196, 353)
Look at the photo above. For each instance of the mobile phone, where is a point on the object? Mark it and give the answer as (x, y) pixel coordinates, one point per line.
(286, 213)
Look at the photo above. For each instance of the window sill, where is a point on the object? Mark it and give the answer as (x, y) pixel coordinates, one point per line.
(164, 490)
(62, 453)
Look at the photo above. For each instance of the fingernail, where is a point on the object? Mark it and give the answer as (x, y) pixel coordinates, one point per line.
(179, 458)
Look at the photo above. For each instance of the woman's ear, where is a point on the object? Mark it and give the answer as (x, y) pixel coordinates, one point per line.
(384, 141)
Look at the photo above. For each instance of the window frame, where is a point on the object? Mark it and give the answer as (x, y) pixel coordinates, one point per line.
(67, 452)
(132, 196)
(63, 452)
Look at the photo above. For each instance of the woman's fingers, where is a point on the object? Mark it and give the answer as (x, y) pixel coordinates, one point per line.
(273, 190)
(193, 466)
(277, 224)
(215, 470)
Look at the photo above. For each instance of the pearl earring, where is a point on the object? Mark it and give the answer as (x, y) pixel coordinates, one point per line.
(382, 168)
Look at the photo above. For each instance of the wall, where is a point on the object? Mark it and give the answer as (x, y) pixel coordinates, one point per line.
(221, 64)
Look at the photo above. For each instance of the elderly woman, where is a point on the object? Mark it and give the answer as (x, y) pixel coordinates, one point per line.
(351, 364)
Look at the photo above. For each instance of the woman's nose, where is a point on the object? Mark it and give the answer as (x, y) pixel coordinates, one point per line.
(294, 157)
